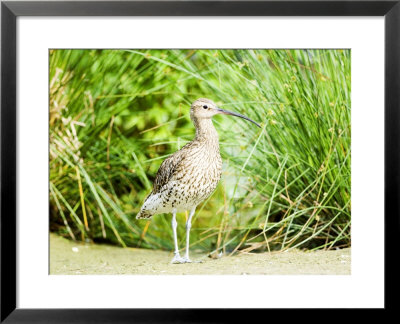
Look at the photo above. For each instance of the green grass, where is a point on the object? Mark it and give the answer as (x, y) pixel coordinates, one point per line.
(116, 114)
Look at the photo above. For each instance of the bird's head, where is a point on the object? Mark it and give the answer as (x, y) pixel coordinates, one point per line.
(205, 109)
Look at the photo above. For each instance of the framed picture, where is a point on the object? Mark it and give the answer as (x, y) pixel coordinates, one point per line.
(95, 95)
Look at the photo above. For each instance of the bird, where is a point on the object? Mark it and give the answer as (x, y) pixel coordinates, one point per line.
(190, 175)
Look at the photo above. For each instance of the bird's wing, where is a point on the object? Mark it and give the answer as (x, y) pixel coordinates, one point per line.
(167, 170)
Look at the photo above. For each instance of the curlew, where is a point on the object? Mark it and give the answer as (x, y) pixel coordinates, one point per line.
(190, 175)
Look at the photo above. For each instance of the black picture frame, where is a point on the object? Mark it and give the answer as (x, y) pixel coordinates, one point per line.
(10, 10)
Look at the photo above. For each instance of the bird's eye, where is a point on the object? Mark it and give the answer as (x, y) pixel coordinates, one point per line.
(205, 106)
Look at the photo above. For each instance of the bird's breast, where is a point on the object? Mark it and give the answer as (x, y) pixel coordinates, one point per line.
(198, 178)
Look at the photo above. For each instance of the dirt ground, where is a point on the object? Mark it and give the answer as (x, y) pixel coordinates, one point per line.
(72, 258)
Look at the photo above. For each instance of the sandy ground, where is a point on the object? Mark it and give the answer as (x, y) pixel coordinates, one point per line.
(72, 258)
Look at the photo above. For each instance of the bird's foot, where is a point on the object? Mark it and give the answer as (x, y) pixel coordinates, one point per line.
(178, 259)
(187, 260)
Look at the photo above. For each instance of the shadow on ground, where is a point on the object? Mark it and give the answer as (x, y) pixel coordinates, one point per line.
(72, 258)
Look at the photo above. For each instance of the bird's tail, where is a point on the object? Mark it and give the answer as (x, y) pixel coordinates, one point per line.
(144, 214)
(146, 211)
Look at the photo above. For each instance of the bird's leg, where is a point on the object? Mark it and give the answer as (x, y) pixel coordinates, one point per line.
(188, 226)
(177, 258)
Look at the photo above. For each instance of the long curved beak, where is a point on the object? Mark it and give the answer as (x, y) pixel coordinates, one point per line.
(226, 112)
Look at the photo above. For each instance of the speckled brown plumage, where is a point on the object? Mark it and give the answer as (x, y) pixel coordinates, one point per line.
(188, 176)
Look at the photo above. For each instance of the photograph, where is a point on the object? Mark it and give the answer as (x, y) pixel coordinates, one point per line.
(192, 161)
(199, 161)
